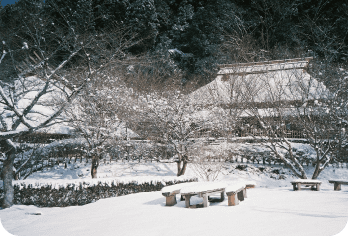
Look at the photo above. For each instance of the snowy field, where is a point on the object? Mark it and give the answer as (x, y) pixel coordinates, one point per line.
(272, 208)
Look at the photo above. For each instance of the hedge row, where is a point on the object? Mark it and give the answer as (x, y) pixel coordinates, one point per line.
(48, 196)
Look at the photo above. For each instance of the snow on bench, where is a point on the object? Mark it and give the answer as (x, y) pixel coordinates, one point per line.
(204, 190)
(170, 192)
(337, 184)
(236, 193)
(311, 182)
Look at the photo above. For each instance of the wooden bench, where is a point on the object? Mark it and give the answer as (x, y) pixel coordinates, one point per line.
(203, 190)
(297, 184)
(236, 193)
(170, 192)
(337, 184)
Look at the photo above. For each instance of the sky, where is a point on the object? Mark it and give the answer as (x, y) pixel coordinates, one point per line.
(5, 2)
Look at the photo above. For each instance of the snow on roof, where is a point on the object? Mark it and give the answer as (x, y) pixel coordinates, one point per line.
(123, 131)
(260, 82)
(61, 128)
(265, 66)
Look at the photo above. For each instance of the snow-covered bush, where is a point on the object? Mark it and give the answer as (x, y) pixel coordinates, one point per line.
(72, 194)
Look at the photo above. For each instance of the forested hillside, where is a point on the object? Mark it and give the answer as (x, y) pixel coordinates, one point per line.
(189, 36)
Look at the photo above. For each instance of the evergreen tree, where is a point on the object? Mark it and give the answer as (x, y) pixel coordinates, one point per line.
(142, 18)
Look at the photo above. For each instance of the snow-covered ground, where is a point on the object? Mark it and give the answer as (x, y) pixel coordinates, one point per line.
(272, 208)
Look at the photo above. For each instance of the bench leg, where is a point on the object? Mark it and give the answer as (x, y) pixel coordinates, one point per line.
(318, 187)
(233, 200)
(205, 200)
(222, 196)
(298, 186)
(294, 187)
(171, 200)
(245, 193)
(337, 187)
(187, 201)
(240, 195)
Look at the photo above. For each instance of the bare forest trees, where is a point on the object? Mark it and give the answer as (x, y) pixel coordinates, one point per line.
(94, 115)
(171, 118)
(45, 80)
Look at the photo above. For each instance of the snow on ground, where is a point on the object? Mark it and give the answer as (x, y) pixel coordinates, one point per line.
(272, 208)
(265, 212)
(263, 175)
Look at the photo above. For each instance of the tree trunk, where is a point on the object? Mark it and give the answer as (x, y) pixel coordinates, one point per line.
(181, 169)
(297, 169)
(178, 164)
(7, 174)
(317, 166)
(94, 167)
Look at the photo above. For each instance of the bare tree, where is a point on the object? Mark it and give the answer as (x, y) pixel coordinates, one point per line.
(44, 81)
(173, 121)
(207, 162)
(94, 115)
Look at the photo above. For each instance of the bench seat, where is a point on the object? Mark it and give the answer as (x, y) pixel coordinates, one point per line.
(338, 183)
(203, 190)
(297, 184)
(170, 192)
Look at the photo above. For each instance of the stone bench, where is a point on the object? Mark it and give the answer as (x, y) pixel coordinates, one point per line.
(297, 184)
(250, 185)
(337, 184)
(170, 192)
(236, 193)
(203, 190)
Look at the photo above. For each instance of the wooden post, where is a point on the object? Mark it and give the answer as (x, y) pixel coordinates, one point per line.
(294, 186)
(222, 196)
(240, 195)
(337, 186)
(233, 200)
(205, 200)
(187, 201)
(298, 186)
(318, 187)
(171, 200)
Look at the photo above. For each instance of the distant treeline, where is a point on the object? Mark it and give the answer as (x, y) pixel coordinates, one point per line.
(205, 33)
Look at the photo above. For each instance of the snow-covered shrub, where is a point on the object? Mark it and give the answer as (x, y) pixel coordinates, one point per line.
(72, 194)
